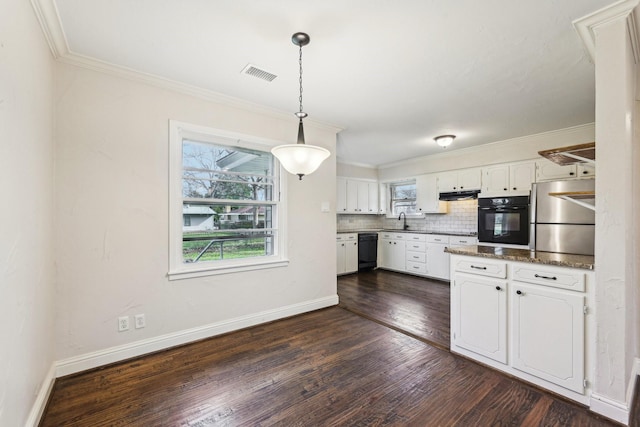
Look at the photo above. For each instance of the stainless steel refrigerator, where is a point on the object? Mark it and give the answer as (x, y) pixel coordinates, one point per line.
(559, 225)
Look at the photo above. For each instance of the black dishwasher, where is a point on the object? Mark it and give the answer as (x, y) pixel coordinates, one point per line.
(367, 250)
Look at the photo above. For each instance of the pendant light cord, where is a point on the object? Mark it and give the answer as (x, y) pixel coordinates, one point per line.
(300, 62)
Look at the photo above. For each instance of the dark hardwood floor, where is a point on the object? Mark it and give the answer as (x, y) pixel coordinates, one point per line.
(416, 306)
(330, 367)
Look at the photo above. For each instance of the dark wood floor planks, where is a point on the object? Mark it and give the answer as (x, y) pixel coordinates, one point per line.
(326, 368)
(414, 305)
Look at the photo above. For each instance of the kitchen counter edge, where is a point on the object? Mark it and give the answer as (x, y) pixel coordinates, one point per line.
(524, 255)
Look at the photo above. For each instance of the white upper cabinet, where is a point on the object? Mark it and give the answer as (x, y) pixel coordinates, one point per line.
(427, 195)
(547, 170)
(460, 180)
(509, 179)
(355, 196)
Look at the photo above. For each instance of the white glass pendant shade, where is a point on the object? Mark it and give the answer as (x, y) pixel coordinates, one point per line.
(300, 159)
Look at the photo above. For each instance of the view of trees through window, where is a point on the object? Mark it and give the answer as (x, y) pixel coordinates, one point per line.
(228, 202)
(403, 197)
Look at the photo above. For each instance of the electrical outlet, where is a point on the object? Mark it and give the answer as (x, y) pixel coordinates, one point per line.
(123, 323)
(140, 321)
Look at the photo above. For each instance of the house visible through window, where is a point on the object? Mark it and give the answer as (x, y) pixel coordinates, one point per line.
(403, 197)
(229, 203)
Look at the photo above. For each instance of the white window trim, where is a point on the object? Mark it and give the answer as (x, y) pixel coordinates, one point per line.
(178, 131)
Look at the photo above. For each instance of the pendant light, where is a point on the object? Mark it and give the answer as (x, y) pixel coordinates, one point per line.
(300, 159)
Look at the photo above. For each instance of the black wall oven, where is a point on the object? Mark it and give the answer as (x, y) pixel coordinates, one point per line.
(504, 220)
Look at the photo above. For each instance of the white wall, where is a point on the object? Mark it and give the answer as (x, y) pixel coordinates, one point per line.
(511, 150)
(112, 212)
(354, 171)
(616, 233)
(26, 185)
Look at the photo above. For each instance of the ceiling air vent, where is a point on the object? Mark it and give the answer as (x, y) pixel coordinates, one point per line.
(252, 70)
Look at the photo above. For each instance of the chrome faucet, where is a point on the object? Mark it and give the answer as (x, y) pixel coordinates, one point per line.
(405, 226)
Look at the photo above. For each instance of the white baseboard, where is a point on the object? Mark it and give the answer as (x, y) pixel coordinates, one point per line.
(611, 409)
(95, 359)
(42, 398)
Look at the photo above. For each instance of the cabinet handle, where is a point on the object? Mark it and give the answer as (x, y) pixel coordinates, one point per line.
(478, 268)
(416, 257)
(519, 292)
(514, 188)
(461, 187)
(545, 277)
(355, 243)
(462, 241)
(498, 288)
(571, 173)
(504, 189)
(585, 172)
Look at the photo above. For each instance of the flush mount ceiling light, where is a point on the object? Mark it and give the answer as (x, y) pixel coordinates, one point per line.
(444, 140)
(300, 159)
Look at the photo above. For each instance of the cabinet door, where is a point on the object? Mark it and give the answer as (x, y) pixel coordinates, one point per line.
(448, 181)
(341, 195)
(383, 195)
(496, 180)
(385, 247)
(352, 196)
(479, 316)
(397, 256)
(340, 257)
(547, 170)
(470, 179)
(437, 261)
(373, 206)
(586, 169)
(521, 176)
(363, 196)
(351, 256)
(548, 334)
(427, 196)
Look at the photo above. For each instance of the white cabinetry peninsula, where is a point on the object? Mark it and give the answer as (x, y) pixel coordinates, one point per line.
(347, 253)
(357, 196)
(529, 319)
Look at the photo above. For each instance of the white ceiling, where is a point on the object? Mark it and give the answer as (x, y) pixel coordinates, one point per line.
(392, 74)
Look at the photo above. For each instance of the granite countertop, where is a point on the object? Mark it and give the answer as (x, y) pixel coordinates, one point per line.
(442, 233)
(525, 255)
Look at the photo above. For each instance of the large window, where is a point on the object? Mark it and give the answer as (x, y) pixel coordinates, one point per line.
(225, 203)
(403, 197)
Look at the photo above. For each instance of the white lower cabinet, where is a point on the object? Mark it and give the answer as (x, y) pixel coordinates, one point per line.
(347, 253)
(391, 251)
(548, 334)
(418, 253)
(437, 258)
(479, 318)
(538, 331)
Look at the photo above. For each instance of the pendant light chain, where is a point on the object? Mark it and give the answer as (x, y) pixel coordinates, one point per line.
(300, 62)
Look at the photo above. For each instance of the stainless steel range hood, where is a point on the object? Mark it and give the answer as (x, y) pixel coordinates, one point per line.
(459, 195)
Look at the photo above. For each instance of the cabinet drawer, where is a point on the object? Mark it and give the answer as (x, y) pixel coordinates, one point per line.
(462, 241)
(417, 246)
(416, 267)
(436, 238)
(481, 267)
(344, 237)
(416, 257)
(391, 236)
(554, 277)
(415, 237)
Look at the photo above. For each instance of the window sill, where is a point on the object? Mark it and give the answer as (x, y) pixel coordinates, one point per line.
(203, 271)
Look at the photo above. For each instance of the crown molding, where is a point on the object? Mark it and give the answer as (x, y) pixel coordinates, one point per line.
(586, 25)
(49, 19)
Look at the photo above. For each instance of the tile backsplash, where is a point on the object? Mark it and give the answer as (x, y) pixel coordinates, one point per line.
(462, 217)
